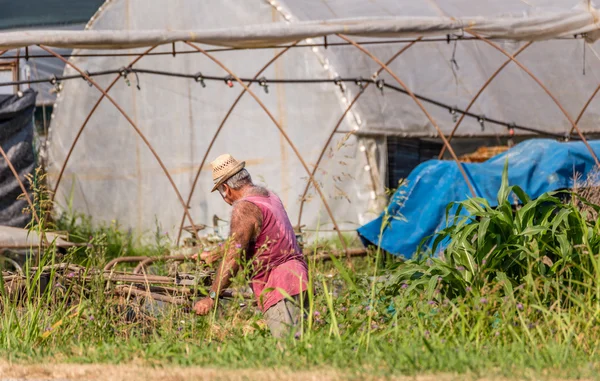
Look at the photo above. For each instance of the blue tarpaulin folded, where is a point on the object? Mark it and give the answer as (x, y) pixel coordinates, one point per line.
(418, 209)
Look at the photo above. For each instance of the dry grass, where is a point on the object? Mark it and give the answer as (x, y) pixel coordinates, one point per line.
(589, 189)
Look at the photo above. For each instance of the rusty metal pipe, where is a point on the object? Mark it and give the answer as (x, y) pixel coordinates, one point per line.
(146, 262)
(166, 289)
(539, 82)
(214, 138)
(339, 123)
(485, 85)
(412, 95)
(116, 261)
(128, 290)
(139, 278)
(60, 266)
(327, 255)
(286, 137)
(135, 127)
(584, 108)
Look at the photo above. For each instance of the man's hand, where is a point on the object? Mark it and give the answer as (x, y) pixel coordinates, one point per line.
(203, 306)
(207, 256)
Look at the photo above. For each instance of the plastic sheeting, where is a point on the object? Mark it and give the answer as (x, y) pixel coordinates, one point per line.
(417, 210)
(16, 138)
(535, 26)
(428, 70)
(112, 174)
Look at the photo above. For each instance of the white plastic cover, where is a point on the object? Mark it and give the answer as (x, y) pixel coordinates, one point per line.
(381, 18)
(112, 175)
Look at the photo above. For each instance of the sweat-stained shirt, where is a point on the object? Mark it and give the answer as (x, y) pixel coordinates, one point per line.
(277, 261)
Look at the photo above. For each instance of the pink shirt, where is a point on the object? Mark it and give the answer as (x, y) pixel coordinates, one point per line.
(277, 261)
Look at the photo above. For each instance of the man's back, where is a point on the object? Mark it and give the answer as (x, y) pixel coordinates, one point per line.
(276, 259)
(275, 241)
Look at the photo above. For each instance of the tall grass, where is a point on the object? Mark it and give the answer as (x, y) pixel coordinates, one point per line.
(516, 292)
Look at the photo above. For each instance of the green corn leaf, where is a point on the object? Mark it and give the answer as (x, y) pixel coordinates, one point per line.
(503, 192)
(523, 197)
(529, 208)
(561, 218)
(482, 232)
(533, 230)
(475, 206)
(447, 213)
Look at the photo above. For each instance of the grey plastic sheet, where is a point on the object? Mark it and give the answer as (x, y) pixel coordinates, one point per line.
(16, 138)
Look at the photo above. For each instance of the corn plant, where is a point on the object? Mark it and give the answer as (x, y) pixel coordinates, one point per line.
(547, 238)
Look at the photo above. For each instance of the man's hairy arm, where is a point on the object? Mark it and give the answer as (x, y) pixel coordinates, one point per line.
(246, 221)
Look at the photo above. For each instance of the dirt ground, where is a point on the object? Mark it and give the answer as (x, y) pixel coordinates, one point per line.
(38, 372)
(70, 372)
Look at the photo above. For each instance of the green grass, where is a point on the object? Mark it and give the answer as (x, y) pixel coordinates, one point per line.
(506, 316)
(409, 333)
(510, 360)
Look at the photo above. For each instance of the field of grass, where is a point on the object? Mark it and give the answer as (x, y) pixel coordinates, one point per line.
(517, 295)
(407, 335)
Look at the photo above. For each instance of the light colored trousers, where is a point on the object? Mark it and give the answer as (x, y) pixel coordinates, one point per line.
(284, 317)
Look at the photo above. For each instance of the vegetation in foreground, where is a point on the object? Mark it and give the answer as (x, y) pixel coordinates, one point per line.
(516, 293)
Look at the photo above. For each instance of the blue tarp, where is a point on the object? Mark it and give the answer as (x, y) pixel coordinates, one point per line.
(417, 210)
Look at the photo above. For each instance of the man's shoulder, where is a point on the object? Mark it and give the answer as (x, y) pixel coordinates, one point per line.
(246, 208)
(243, 205)
(260, 191)
(246, 205)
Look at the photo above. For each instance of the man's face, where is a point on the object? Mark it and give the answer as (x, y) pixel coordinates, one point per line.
(226, 193)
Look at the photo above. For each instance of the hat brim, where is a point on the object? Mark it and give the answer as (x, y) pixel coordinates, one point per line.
(228, 175)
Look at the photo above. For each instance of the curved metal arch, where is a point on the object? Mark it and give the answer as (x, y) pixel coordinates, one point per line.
(339, 123)
(585, 107)
(87, 119)
(214, 138)
(537, 80)
(135, 127)
(412, 95)
(285, 136)
(485, 85)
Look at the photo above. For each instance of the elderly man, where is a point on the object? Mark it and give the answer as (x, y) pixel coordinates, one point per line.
(262, 235)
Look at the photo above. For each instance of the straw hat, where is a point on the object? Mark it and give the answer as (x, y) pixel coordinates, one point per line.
(223, 167)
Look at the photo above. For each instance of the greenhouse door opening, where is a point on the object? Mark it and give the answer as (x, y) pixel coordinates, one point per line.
(404, 155)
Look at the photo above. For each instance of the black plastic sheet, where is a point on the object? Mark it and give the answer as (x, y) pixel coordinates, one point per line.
(16, 138)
